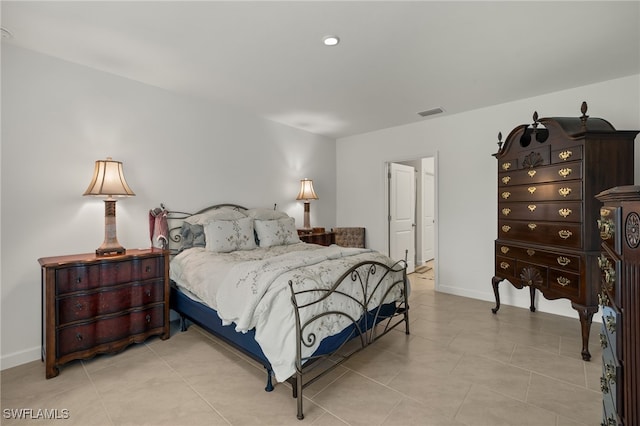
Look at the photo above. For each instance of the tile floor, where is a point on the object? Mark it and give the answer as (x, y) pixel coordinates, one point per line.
(461, 365)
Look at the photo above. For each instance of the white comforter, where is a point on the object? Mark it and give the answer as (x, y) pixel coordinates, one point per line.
(250, 289)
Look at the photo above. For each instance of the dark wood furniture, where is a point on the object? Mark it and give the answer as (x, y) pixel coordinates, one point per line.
(620, 300)
(548, 175)
(350, 236)
(323, 238)
(95, 304)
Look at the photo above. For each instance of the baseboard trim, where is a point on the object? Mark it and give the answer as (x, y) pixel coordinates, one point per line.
(19, 358)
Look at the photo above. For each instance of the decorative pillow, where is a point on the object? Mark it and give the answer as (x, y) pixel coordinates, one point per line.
(191, 236)
(230, 235)
(223, 213)
(266, 214)
(277, 232)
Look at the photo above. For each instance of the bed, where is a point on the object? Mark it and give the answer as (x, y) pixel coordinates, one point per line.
(298, 309)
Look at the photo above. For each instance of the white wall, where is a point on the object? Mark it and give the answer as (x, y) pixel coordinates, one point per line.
(466, 181)
(58, 118)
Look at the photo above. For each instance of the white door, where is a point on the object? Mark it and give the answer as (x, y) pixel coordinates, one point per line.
(402, 221)
(428, 215)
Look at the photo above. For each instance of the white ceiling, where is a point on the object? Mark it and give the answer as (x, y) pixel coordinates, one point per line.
(395, 58)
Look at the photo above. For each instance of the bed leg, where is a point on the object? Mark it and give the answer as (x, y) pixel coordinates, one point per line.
(269, 387)
(183, 323)
(298, 393)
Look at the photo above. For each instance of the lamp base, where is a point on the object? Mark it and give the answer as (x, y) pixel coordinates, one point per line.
(110, 246)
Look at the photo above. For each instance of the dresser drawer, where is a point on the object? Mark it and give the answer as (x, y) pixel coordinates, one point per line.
(566, 211)
(559, 234)
(558, 260)
(532, 274)
(88, 277)
(539, 175)
(560, 191)
(564, 155)
(564, 282)
(611, 383)
(113, 299)
(104, 331)
(505, 267)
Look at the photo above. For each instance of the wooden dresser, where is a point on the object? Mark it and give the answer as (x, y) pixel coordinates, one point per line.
(548, 175)
(620, 300)
(323, 238)
(95, 304)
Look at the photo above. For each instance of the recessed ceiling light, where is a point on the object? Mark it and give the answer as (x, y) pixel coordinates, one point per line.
(330, 40)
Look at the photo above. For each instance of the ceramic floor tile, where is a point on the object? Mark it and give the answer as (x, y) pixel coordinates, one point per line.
(483, 407)
(542, 362)
(567, 400)
(346, 400)
(494, 375)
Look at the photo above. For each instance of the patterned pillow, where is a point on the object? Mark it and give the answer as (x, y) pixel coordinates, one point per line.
(266, 214)
(229, 235)
(223, 213)
(191, 236)
(277, 232)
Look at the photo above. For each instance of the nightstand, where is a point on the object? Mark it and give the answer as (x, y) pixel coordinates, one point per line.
(323, 238)
(101, 304)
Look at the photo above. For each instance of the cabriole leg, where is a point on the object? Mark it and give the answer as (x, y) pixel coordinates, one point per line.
(586, 316)
(495, 281)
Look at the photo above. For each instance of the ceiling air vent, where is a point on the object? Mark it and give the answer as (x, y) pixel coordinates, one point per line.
(429, 112)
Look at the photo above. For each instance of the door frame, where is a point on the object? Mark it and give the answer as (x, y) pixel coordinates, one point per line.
(385, 168)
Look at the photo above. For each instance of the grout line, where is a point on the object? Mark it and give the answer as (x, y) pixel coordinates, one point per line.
(95, 389)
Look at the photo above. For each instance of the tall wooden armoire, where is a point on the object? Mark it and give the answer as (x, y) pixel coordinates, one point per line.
(549, 172)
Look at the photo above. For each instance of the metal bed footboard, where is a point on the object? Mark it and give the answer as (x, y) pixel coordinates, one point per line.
(372, 322)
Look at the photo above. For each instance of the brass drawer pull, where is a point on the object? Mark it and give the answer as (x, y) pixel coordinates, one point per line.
(506, 211)
(506, 228)
(563, 281)
(148, 292)
(532, 173)
(606, 227)
(610, 323)
(504, 249)
(565, 155)
(506, 166)
(565, 233)
(79, 337)
(604, 385)
(532, 207)
(78, 305)
(564, 172)
(603, 299)
(506, 194)
(147, 269)
(506, 179)
(78, 280)
(564, 191)
(504, 265)
(610, 373)
(531, 252)
(148, 318)
(603, 341)
(532, 189)
(564, 212)
(563, 261)
(532, 226)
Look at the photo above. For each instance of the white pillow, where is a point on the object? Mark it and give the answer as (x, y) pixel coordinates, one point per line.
(223, 213)
(266, 214)
(230, 235)
(277, 232)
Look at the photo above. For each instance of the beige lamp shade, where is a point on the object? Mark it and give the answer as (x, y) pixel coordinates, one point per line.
(108, 179)
(306, 190)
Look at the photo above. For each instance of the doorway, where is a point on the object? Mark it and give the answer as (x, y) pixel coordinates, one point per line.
(411, 212)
